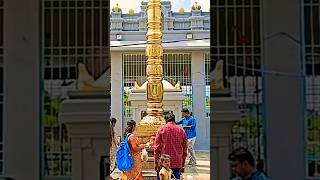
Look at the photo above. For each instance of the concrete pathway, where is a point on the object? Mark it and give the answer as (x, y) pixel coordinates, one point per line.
(201, 171)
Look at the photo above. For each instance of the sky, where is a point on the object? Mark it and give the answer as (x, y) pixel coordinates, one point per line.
(125, 5)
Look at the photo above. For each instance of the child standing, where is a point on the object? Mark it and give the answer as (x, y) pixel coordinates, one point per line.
(165, 172)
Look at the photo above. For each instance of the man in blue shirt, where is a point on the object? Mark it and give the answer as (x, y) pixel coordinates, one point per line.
(243, 165)
(189, 125)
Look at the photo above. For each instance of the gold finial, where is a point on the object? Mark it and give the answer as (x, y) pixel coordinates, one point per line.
(196, 6)
(116, 9)
(181, 11)
(131, 11)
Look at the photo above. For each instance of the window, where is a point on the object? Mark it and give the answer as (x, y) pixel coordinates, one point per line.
(177, 67)
(312, 93)
(237, 41)
(73, 31)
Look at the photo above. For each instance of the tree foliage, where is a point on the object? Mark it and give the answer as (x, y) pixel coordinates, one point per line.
(52, 107)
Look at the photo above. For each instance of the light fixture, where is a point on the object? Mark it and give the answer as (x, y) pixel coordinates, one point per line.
(119, 37)
(189, 36)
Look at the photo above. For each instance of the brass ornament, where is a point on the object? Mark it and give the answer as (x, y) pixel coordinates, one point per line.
(131, 12)
(181, 11)
(117, 9)
(196, 6)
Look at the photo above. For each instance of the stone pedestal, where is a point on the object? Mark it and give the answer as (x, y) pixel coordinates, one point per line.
(86, 116)
(225, 113)
(172, 102)
(144, 133)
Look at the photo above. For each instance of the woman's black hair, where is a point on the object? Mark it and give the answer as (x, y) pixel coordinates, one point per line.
(113, 120)
(130, 126)
(170, 117)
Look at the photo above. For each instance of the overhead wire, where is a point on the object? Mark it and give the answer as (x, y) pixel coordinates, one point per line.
(163, 42)
(260, 70)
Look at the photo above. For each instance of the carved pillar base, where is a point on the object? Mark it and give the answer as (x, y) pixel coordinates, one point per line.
(144, 133)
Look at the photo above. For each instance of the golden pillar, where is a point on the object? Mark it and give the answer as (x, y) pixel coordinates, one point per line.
(149, 125)
(154, 53)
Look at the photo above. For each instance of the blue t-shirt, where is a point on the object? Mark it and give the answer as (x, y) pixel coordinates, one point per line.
(255, 176)
(259, 176)
(190, 121)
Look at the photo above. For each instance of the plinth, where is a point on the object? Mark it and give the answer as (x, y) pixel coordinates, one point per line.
(86, 116)
(225, 113)
(144, 131)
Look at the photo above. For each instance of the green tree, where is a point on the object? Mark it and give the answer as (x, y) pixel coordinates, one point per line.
(250, 124)
(52, 107)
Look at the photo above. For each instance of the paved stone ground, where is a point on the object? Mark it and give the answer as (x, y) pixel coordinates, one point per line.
(202, 170)
(199, 172)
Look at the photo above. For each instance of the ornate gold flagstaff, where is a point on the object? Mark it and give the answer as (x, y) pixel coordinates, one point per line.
(154, 53)
(149, 125)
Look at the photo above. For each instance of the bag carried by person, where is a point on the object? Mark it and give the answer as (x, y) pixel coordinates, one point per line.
(144, 155)
(125, 161)
(116, 174)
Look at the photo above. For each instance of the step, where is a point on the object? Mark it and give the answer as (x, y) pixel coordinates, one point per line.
(149, 175)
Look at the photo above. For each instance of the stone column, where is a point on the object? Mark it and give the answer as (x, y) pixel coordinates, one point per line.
(225, 113)
(86, 116)
(21, 87)
(283, 95)
(117, 90)
(199, 100)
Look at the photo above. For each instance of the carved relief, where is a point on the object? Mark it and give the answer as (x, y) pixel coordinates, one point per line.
(154, 51)
(154, 69)
(154, 91)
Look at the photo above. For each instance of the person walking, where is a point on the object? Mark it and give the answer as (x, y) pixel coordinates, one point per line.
(136, 150)
(171, 140)
(114, 144)
(189, 125)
